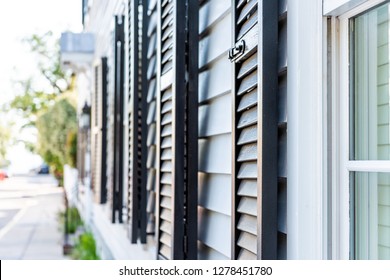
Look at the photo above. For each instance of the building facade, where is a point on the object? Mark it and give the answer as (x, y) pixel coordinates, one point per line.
(231, 129)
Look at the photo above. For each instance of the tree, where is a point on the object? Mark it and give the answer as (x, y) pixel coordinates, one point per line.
(55, 126)
(49, 105)
(5, 137)
(53, 82)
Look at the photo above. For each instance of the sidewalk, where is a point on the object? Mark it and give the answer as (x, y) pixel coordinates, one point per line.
(28, 218)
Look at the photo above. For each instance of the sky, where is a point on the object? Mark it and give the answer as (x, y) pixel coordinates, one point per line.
(20, 19)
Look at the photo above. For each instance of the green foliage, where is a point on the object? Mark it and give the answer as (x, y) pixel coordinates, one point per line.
(48, 106)
(5, 137)
(31, 103)
(85, 248)
(71, 148)
(48, 51)
(74, 220)
(54, 127)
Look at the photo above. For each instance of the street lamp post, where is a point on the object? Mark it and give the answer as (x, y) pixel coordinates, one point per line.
(85, 125)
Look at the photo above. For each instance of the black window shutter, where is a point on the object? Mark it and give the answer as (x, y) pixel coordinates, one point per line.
(137, 127)
(255, 59)
(176, 130)
(118, 143)
(149, 53)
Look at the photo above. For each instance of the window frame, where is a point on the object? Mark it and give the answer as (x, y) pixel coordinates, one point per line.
(345, 166)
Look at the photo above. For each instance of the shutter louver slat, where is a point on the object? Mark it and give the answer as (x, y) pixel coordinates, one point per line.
(166, 190)
(246, 255)
(151, 67)
(167, 118)
(248, 241)
(151, 112)
(166, 154)
(167, 142)
(248, 66)
(248, 135)
(247, 25)
(247, 223)
(151, 180)
(165, 251)
(167, 95)
(152, 24)
(151, 135)
(166, 239)
(248, 100)
(152, 6)
(151, 91)
(246, 10)
(248, 170)
(248, 117)
(248, 188)
(167, 107)
(167, 166)
(248, 83)
(167, 130)
(151, 156)
(166, 215)
(240, 3)
(166, 178)
(166, 202)
(167, 55)
(248, 205)
(168, 44)
(168, 22)
(152, 46)
(151, 202)
(165, 226)
(247, 152)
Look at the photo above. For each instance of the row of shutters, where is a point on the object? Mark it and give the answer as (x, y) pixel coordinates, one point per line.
(161, 107)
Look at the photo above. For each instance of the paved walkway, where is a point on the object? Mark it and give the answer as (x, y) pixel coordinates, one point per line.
(28, 218)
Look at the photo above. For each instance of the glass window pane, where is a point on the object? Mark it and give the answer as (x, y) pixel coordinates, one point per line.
(371, 215)
(369, 122)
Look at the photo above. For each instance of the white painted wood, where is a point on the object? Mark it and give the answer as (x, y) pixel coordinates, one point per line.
(305, 156)
(368, 166)
(337, 7)
(343, 218)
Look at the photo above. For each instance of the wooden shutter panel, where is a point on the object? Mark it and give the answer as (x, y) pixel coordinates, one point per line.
(254, 57)
(95, 143)
(176, 178)
(137, 175)
(118, 119)
(99, 132)
(149, 63)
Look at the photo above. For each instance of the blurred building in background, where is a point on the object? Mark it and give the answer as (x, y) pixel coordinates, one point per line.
(187, 154)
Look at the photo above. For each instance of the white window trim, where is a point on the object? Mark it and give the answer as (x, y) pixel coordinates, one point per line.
(337, 7)
(342, 207)
(306, 206)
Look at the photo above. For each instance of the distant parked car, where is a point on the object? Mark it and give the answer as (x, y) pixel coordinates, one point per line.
(43, 169)
(3, 174)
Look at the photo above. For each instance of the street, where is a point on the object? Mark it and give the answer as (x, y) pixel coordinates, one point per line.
(29, 229)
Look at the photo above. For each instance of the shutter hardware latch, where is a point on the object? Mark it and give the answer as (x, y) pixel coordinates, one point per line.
(236, 52)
